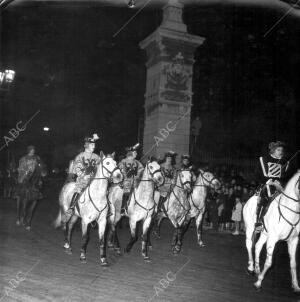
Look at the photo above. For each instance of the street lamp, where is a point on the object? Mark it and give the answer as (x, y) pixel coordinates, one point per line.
(6, 78)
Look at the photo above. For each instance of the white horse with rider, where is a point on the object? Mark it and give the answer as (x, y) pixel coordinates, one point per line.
(281, 222)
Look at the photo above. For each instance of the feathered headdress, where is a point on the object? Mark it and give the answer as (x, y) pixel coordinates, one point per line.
(92, 139)
(133, 148)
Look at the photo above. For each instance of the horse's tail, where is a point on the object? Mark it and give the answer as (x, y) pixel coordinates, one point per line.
(57, 221)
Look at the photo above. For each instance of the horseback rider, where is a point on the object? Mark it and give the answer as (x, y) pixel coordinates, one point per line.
(274, 168)
(27, 166)
(132, 170)
(168, 167)
(84, 167)
(185, 162)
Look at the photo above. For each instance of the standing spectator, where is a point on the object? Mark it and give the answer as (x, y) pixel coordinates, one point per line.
(196, 126)
(237, 215)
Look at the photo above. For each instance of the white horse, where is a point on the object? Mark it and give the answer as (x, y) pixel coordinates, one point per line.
(281, 222)
(92, 206)
(197, 200)
(176, 206)
(142, 206)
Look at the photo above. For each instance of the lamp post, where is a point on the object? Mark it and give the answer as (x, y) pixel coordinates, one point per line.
(6, 79)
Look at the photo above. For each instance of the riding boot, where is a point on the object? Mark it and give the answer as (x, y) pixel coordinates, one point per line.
(71, 209)
(260, 212)
(124, 205)
(160, 203)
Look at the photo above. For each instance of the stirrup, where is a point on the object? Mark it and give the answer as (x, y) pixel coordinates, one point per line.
(124, 212)
(258, 227)
(69, 213)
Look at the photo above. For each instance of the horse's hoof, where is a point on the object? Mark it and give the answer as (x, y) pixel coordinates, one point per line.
(18, 222)
(147, 259)
(257, 287)
(28, 228)
(296, 290)
(103, 262)
(202, 244)
(250, 273)
(175, 251)
(126, 250)
(68, 251)
(83, 260)
(118, 251)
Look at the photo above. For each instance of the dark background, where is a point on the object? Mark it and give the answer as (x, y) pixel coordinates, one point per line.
(82, 79)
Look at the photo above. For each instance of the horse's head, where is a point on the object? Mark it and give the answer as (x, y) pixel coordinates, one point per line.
(110, 170)
(154, 170)
(210, 180)
(184, 177)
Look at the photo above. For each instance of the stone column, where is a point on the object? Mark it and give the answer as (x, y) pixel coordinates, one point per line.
(168, 98)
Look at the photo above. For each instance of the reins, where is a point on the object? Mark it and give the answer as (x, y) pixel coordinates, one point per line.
(153, 183)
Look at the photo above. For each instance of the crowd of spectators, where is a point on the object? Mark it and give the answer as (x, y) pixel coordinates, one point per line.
(224, 206)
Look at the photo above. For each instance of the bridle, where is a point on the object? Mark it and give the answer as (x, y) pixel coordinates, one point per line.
(207, 180)
(152, 180)
(108, 178)
(111, 173)
(182, 184)
(293, 225)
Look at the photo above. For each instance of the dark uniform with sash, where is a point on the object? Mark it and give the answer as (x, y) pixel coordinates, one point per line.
(274, 177)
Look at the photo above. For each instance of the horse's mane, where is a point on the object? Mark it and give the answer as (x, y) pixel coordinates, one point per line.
(292, 180)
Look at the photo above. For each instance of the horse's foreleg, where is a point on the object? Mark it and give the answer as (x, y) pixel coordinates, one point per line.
(30, 210)
(133, 235)
(292, 247)
(249, 245)
(258, 246)
(68, 234)
(116, 242)
(174, 238)
(146, 225)
(23, 211)
(18, 201)
(270, 248)
(156, 224)
(199, 229)
(101, 231)
(84, 240)
(110, 235)
(180, 234)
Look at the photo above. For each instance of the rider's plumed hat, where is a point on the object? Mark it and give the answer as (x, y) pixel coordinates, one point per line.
(130, 150)
(91, 139)
(170, 154)
(185, 156)
(274, 145)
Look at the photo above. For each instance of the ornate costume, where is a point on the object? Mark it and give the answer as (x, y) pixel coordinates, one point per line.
(169, 172)
(84, 166)
(27, 166)
(132, 170)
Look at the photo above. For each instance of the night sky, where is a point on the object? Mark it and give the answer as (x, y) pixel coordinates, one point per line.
(82, 79)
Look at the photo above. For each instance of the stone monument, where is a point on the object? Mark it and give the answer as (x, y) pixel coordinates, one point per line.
(168, 98)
